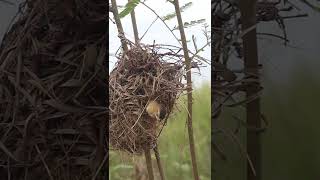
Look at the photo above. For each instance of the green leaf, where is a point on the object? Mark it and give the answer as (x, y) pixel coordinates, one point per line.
(190, 24)
(193, 23)
(128, 8)
(172, 15)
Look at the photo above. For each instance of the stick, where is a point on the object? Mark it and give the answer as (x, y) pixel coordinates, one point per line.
(149, 163)
(250, 50)
(119, 25)
(156, 152)
(134, 26)
(189, 90)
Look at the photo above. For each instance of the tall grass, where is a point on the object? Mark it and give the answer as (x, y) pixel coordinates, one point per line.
(173, 143)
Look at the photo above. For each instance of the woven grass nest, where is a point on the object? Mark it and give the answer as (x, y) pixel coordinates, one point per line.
(141, 75)
(53, 92)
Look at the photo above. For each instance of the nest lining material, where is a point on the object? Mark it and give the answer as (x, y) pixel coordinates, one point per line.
(140, 76)
(53, 91)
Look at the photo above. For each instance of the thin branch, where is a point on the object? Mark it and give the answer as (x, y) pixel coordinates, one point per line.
(274, 35)
(100, 167)
(157, 154)
(194, 43)
(194, 54)
(162, 21)
(251, 63)
(149, 163)
(294, 16)
(189, 90)
(119, 25)
(149, 28)
(44, 162)
(134, 26)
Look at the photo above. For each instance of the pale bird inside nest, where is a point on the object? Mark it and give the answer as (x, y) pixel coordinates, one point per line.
(155, 110)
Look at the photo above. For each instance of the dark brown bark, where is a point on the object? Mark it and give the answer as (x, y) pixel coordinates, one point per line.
(248, 19)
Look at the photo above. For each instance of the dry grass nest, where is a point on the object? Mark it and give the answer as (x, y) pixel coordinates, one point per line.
(141, 75)
(53, 92)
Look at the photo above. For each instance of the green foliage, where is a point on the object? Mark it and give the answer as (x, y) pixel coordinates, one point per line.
(290, 145)
(174, 144)
(113, 171)
(292, 113)
(172, 15)
(128, 8)
(191, 23)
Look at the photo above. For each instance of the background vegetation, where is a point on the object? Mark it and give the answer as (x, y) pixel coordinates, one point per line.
(290, 146)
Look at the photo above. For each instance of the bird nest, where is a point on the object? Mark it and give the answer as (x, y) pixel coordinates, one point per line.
(141, 75)
(53, 92)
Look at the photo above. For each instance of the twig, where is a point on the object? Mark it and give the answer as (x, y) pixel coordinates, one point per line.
(100, 167)
(194, 54)
(134, 26)
(44, 162)
(119, 25)
(194, 43)
(295, 16)
(250, 51)
(274, 35)
(242, 149)
(148, 28)
(149, 163)
(162, 21)
(189, 90)
(157, 154)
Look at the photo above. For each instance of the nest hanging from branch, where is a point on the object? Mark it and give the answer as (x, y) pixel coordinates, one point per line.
(53, 91)
(141, 75)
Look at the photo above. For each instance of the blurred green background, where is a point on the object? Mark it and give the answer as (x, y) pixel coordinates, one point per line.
(291, 145)
(174, 144)
(290, 102)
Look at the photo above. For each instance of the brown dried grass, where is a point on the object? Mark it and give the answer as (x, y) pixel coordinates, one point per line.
(53, 92)
(141, 75)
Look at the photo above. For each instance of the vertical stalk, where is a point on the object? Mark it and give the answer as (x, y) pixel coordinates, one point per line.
(134, 26)
(189, 90)
(119, 25)
(149, 163)
(156, 152)
(248, 19)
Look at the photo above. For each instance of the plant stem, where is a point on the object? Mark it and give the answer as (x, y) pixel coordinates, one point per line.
(189, 90)
(149, 163)
(119, 25)
(250, 50)
(134, 26)
(157, 154)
